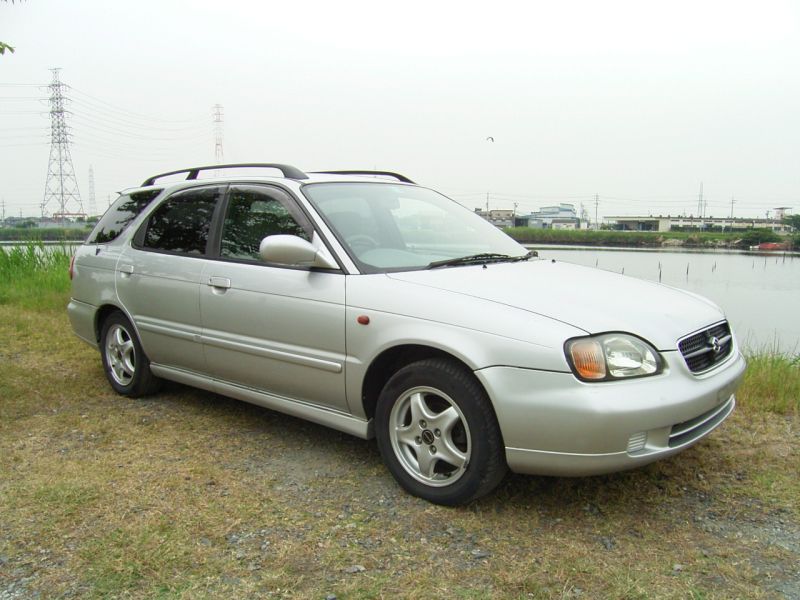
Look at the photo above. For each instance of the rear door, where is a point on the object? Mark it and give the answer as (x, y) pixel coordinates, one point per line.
(267, 327)
(158, 277)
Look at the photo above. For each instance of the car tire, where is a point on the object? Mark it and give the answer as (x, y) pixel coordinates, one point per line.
(126, 365)
(438, 434)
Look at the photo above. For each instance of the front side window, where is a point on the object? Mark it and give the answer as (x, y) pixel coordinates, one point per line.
(182, 223)
(117, 218)
(253, 213)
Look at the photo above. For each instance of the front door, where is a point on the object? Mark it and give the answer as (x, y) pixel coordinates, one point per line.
(271, 328)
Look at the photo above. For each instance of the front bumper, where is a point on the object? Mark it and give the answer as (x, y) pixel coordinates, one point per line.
(554, 424)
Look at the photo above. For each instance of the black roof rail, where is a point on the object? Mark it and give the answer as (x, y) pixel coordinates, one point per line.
(397, 176)
(288, 171)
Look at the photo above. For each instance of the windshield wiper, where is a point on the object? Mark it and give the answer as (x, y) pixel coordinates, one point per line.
(477, 259)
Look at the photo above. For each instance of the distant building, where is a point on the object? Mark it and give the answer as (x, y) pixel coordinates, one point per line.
(561, 216)
(498, 217)
(44, 223)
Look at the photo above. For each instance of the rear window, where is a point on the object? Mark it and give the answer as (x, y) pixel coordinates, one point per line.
(119, 216)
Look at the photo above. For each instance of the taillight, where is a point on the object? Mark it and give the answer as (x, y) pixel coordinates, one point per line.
(72, 267)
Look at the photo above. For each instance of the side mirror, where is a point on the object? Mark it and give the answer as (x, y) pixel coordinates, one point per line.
(294, 251)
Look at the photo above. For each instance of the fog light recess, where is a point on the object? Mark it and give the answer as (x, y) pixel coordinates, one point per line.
(637, 442)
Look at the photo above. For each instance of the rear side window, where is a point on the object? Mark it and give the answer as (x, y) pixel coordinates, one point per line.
(181, 224)
(117, 218)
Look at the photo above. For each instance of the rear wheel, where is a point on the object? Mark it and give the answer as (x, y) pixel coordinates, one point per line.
(126, 366)
(438, 434)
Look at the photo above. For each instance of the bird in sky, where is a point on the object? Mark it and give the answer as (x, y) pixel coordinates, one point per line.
(490, 139)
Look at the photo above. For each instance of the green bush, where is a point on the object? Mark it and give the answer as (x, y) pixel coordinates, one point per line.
(754, 237)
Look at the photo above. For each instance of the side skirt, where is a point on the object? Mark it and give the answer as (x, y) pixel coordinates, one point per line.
(322, 416)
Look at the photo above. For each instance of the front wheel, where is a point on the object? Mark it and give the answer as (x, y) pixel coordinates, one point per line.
(125, 363)
(437, 433)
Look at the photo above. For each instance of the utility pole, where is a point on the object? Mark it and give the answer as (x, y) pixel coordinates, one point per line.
(218, 121)
(61, 187)
(487, 204)
(732, 203)
(701, 207)
(596, 204)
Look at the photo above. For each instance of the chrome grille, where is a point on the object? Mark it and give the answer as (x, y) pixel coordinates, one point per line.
(703, 350)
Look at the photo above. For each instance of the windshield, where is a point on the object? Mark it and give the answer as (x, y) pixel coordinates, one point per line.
(387, 227)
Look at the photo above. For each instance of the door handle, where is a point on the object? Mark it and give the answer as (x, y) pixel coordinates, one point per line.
(126, 269)
(219, 282)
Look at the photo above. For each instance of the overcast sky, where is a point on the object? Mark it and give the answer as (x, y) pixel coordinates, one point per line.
(638, 102)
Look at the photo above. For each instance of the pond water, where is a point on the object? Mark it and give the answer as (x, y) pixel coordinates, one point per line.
(759, 292)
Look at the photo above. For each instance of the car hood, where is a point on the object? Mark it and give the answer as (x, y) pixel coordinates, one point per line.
(590, 299)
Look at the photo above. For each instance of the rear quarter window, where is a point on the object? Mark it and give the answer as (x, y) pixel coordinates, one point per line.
(117, 218)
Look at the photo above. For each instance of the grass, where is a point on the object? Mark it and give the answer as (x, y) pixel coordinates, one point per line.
(772, 384)
(191, 495)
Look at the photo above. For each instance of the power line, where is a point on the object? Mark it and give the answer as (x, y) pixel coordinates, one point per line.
(102, 114)
(130, 112)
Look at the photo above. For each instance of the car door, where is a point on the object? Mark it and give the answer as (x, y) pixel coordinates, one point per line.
(158, 277)
(270, 328)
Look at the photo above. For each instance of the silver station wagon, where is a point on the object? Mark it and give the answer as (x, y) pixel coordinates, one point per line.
(366, 303)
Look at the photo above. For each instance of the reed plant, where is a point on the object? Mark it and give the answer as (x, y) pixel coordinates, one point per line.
(35, 276)
(772, 383)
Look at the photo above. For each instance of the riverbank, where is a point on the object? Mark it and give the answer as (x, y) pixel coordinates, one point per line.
(189, 494)
(645, 239)
(45, 234)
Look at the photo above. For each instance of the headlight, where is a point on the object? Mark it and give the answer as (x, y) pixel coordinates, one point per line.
(612, 356)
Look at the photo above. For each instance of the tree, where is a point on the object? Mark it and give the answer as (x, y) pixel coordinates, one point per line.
(793, 220)
(754, 237)
(3, 45)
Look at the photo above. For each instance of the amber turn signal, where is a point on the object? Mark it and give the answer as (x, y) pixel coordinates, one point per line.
(587, 358)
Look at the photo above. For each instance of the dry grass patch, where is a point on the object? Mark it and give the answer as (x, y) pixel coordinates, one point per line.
(191, 495)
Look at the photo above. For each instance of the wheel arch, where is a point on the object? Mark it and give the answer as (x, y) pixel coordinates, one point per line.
(102, 314)
(391, 360)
